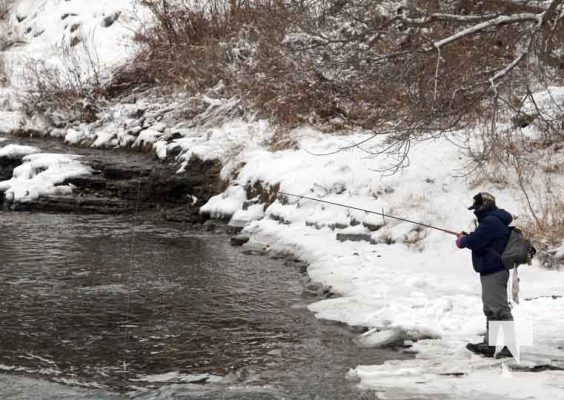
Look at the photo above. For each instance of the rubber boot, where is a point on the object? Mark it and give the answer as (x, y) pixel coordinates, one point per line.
(481, 348)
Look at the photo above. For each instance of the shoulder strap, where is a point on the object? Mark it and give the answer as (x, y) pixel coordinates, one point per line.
(495, 253)
(511, 228)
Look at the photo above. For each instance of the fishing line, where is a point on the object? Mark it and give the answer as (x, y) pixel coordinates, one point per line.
(130, 270)
(371, 212)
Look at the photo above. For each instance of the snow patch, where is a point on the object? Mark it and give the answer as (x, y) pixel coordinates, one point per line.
(10, 122)
(225, 204)
(148, 136)
(252, 213)
(88, 37)
(17, 150)
(548, 103)
(177, 377)
(41, 174)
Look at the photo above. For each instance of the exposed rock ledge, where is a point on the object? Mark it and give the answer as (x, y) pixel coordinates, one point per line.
(124, 182)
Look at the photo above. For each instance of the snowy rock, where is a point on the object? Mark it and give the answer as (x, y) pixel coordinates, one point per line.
(279, 218)
(17, 151)
(381, 339)
(235, 226)
(401, 232)
(76, 136)
(239, 240)
(354, 233)
(353, 237)
(337, 225)
(180, 131)
(373, 227)
(392, 337)
(314, 224)
(146, 137)
(105, 137)
(10, 157)
(148, 122)
(58, 132)
(160, 148)
(248, 213)
(256, 249)
(224, 205)
(126, 140)
(134, 130)
(159, 127)
(41, 174)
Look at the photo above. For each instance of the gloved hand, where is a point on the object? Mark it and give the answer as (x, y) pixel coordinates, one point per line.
(459, 237)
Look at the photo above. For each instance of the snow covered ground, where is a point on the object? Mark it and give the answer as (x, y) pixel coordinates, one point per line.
(78, 38)
(406, 283)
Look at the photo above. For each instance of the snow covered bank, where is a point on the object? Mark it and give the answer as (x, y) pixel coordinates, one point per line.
(410, 284)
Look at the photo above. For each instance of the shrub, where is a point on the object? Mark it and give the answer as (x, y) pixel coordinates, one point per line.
(358, 62)
(546, 226)
(72, 93)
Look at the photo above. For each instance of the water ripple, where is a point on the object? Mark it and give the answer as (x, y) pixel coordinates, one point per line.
(73, 294)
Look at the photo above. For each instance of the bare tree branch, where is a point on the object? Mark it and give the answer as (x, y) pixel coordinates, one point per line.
(502, 20)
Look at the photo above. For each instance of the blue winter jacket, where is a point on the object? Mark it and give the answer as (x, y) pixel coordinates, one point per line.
(492, 233)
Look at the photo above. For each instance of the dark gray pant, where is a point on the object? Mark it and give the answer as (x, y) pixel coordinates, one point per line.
(494, 298)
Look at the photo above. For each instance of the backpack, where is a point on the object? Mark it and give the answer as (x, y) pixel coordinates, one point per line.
(518, 249)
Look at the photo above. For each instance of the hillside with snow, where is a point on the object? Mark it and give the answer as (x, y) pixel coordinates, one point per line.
(408, 285)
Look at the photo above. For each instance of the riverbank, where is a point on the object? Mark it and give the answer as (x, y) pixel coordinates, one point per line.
(103, 181)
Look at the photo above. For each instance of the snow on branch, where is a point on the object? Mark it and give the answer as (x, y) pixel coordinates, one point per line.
(501, 20)
(508, 68)
(540, 19)
(447, 17)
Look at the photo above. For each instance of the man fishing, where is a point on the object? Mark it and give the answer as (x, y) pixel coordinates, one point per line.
(487, 243)
(492, 233)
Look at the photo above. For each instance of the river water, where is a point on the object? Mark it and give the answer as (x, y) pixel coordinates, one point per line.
(117, 309)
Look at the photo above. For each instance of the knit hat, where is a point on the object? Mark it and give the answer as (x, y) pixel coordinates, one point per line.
(482, 199)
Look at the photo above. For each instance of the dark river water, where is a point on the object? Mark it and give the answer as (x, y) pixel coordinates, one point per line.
(104, 303)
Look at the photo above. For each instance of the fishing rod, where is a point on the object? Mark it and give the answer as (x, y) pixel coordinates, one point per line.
(371, 212)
